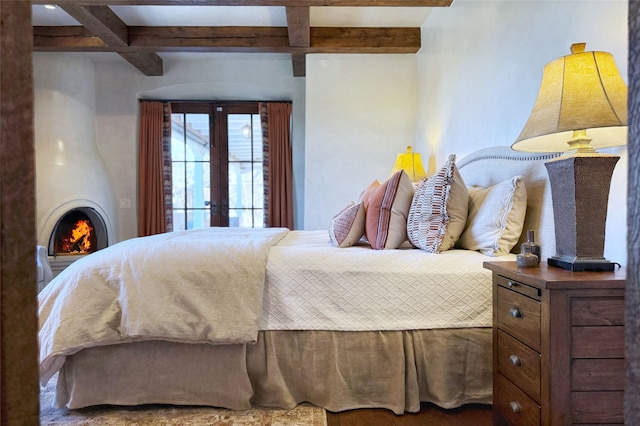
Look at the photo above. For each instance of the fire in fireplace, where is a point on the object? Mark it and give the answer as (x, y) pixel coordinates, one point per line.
(79, 231)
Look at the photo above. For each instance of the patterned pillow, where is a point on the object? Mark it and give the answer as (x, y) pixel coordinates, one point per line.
(438, 211)
(347, 227)
(496, 217)
(386, 207)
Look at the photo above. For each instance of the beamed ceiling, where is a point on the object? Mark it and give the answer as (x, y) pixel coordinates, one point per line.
(98, 28)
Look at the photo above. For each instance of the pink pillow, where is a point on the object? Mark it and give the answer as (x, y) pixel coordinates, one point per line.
(386, 208)
(347, 227)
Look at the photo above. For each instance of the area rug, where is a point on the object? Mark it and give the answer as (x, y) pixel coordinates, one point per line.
(163, 415)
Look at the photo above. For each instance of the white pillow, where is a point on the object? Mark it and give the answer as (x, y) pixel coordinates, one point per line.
(438, 210)
(496, 217)
(347, 227)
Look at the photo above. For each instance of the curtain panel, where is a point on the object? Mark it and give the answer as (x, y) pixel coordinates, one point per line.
(154, 169)
(275, 119)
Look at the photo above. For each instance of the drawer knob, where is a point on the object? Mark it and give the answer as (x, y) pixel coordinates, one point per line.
(515, 312)
(515, 360)
(515, 407)
(510, 284)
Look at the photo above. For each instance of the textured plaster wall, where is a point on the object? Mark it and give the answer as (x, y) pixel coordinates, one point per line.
(360, 114)
(479, 72)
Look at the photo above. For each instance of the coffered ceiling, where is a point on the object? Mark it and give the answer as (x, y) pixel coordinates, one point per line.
(145, 32)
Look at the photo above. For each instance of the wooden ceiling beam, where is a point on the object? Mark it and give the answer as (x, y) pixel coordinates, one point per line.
(364, 40)
(287, 3)
(299, 30)
(299, 64)
(298, 26)
(232, 39)
(102, 23)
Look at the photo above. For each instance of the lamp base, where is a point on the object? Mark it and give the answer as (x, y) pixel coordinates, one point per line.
(582, 265)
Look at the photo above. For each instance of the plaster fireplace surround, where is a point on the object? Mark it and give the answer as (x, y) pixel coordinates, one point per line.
(72, 183)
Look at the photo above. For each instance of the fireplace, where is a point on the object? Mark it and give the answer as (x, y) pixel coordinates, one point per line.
(79, 231)
(72, 181)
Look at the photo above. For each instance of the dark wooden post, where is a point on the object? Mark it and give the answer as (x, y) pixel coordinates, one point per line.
(632, 294)
(18, 322)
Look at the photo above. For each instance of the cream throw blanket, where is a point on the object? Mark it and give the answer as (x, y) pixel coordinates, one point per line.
(192, 286)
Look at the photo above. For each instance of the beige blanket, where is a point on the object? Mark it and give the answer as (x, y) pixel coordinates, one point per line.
(189, 286)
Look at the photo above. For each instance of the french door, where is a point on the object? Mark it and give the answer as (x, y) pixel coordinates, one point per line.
(217, 173)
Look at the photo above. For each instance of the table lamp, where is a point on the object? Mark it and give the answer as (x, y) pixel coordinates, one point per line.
(581, 106)
(411, 163)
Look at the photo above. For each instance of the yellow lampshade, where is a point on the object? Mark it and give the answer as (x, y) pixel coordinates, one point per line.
(582, 92)
(411, 163)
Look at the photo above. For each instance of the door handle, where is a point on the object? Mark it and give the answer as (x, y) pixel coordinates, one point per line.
(214, 207)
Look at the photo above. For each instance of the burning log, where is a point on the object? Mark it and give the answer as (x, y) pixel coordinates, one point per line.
(80, 239)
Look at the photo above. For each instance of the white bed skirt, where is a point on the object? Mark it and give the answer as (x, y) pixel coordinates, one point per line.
(334, 370)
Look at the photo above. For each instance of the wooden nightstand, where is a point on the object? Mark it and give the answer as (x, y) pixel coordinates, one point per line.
(558, 345)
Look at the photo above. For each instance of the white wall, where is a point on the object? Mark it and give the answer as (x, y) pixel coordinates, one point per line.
(472, 85)
(479, 72)
(119, 86)
(360, 114)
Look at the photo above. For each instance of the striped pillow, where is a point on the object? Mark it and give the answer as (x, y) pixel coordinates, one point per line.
(347, 227)
(439, 209)
(386, 208)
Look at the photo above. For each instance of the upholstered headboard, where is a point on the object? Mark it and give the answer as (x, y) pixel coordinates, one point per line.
(490, 166)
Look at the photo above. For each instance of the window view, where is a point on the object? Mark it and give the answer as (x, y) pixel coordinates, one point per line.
(190, 140)
(246, 186)
(217, 177)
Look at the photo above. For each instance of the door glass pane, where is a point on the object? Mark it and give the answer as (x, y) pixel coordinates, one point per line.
(258, 218)
(243, 218)
(178, 188)
(239, 130)
(177, 137)
(234, 218)
(257, 138)
(190, 185)
(178, 219)
(198, 184)
(199, 219)
(258, 186)
(235, 185)
(197, 137)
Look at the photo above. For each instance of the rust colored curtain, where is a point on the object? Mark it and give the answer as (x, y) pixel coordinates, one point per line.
(278, 170)
(154, 169)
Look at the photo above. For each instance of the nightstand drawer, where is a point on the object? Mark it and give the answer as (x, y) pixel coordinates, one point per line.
(520, 364)
(514, 285)
(519, 315)
(514, 405)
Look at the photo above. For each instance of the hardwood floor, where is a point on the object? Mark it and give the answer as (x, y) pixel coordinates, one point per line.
(476, 415)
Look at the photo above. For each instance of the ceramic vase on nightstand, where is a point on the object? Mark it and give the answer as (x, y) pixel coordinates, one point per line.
(529, 252)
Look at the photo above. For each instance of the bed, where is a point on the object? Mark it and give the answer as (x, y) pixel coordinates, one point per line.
(340, 328)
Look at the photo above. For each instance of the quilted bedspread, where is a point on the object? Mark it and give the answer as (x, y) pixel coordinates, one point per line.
(192, 286)
(312, 285)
